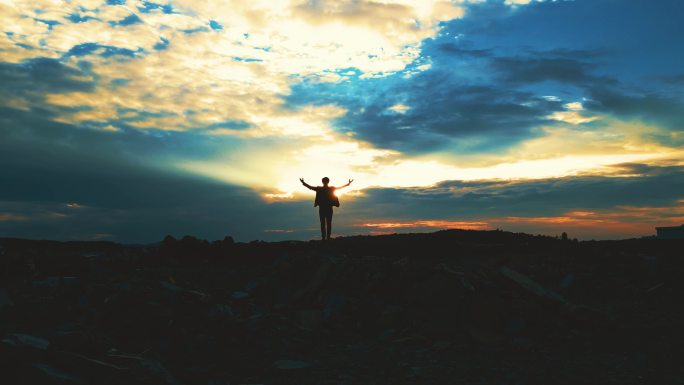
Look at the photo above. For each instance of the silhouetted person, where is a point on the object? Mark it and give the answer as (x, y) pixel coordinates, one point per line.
(325, 200)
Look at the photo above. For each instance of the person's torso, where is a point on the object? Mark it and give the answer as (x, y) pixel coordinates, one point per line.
(325, 197)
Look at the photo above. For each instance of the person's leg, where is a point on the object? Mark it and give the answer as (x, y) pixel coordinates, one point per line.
(321, 216)
(328, 220)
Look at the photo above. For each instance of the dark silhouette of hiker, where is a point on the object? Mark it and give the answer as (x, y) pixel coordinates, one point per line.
(325, 200)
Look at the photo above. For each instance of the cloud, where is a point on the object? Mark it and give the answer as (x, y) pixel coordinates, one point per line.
(131, 108)
(556, 195)
(11, 217)
(244, 49)
(102, 50)
(591, 206)
(649, 107)
(64, 186)
(484, 91)
(34, 78)
(546, 66)
(446, 111)
(436, 224)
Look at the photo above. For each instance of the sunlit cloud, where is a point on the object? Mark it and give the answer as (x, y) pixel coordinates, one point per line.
(622, 221)
(340, 159)
(438, 224)
(10, 217)
(572, 114)
(399, 108)
(625, 221)
(218, 60)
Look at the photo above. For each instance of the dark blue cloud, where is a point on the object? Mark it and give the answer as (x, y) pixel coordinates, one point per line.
(195, 30)
(116, 178)
(102, 50)
(638, 33)
(119, 82)
(446, 110)
(35, 77)
(50, 23)
(665, 110)
(54, 163)
(492, 73)
(567, 69)
(25, 46)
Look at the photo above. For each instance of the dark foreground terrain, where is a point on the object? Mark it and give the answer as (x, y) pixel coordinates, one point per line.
(453, 307)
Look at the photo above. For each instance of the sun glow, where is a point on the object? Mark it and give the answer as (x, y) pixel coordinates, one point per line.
(416, 173)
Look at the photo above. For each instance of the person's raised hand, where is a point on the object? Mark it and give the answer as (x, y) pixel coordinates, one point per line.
(301, 180)
(351, 180)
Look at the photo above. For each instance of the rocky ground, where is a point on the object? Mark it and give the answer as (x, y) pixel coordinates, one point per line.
(452, 307)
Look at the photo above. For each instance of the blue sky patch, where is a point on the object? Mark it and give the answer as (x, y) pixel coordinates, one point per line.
(149, 6)
(77, 18)
(50, 23)
(162, 45)
(129, 20)
(216, 26)
(99, 49)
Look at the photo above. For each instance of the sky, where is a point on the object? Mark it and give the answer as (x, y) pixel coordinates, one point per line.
(128, 120)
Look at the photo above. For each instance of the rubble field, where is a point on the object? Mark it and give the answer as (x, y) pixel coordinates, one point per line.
(451, 307)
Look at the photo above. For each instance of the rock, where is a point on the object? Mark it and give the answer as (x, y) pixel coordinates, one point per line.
(586, 318)
(441, 345)
(291, 364)
(567, 281)
(91, 364)
(487, 337)
(251, 285)
(467, 285)
(49, 375)
(5, 300)
(655, 287)
(158, 372)
(310, 318)
(219, 311)
(487, 319)
(316, 283)
(530, 285)
(333, 306)
(239, 295)
(25, 341)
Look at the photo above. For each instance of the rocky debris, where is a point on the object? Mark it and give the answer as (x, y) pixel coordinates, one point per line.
(5, 299)
(449, 307)
(531, 286)
(291, 364)
(25, 341)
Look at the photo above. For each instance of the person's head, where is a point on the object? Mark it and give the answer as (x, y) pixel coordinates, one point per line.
(325, 181)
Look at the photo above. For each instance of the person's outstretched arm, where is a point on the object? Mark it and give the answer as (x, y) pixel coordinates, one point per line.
(306, 185)
(348, 183)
